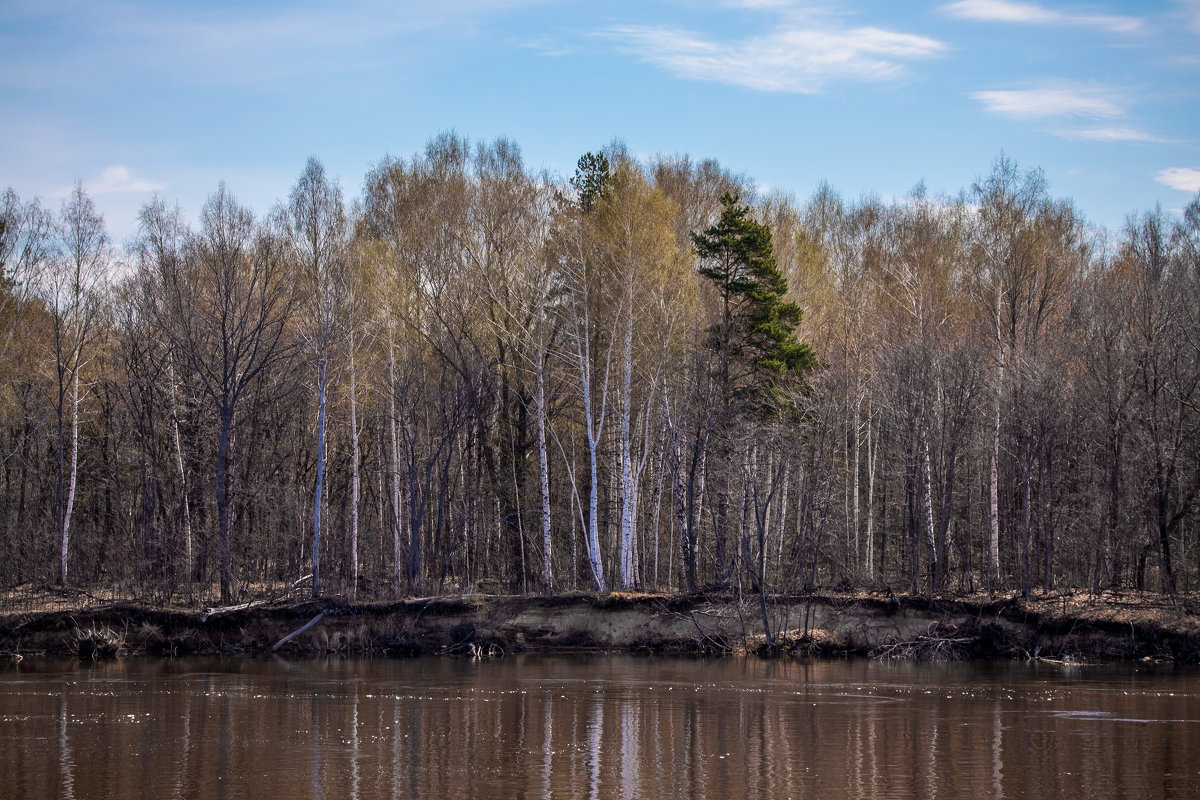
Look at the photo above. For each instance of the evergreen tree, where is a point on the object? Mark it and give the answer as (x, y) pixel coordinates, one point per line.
(755, 339)
(592, 173)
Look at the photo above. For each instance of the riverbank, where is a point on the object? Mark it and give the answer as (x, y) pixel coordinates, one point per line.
(1059, 627)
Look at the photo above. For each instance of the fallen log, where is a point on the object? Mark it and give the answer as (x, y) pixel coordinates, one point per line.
(298, 631)
(212, 612)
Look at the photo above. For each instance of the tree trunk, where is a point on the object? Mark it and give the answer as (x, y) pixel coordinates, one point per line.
(189, 559)
(594, 429)
(225, 502)
(544, 475)
(1164, 542)
(354, 473)
(626, 457)
(1026, 512)
(927, 510)
(319, 490)
(872, 452)
(994, 481)
(64, 542)
(397, 536)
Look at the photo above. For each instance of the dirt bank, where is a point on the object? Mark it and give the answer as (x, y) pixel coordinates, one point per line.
(1060, 627)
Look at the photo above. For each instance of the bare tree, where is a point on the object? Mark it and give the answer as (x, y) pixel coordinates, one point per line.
(26, 234)
(75, 286)
(316, 224)
(225, 307)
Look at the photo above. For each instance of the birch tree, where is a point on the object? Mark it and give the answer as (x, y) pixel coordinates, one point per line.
(76, 283)
(316, 225)
(631, 225)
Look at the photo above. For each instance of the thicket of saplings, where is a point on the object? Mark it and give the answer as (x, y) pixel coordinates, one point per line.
(475, 377)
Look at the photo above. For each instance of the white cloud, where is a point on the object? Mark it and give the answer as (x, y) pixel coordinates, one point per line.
(1185, 179)
(1065, 102)
(1054, 101)
(791, 59)
(1033, 14)
(117, 179)
(1108, 134)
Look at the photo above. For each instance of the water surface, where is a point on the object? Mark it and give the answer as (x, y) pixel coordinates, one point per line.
(595, 726)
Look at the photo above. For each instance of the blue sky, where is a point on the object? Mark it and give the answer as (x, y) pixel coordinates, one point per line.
(871, 96)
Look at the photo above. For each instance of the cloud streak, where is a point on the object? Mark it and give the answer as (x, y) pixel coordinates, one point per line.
(1033, 14)
(1108, 134)
(1057, 101)
(801, 60)
(1185, 179)
(117, 179)
(1104, 107)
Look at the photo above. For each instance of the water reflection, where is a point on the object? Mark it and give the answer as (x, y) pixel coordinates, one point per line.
(598, 727)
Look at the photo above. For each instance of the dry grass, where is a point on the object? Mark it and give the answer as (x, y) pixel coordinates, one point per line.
(98, 642)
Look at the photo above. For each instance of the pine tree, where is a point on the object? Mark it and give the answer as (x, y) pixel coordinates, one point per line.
(755, 339)
(592, 173)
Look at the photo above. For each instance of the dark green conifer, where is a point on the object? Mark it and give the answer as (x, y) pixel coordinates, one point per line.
(755, 339)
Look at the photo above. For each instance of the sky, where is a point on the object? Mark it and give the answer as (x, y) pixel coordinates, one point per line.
(869, 96)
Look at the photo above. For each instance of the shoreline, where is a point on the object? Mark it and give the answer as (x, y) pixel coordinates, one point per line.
(1068, 628)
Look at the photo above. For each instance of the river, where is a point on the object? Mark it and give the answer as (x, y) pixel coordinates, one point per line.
(602, 726)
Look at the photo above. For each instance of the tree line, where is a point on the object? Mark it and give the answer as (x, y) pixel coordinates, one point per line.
(474, 376)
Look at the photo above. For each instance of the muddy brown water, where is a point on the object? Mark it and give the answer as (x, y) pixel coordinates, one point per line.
(601, 726)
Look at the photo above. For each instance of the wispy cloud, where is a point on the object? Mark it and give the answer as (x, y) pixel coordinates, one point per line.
(793, 58)
(1185, 179)
(239, 44)
(1104, 107)
(1033, 14)
(545, 47)
(117, 179)
(1053, 101)
(1108, 134)
(1191, 13)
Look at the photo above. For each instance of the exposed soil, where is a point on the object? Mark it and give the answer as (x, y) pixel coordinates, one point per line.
(1063, 627)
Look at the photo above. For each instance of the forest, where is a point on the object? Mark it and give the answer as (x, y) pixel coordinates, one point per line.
(650, 375)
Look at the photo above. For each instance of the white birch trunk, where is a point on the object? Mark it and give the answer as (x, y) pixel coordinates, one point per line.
(626, 456)
(64, 544)
(856, 500)
(185, 507)
(872, 450)
(781, 518)
(594, 430)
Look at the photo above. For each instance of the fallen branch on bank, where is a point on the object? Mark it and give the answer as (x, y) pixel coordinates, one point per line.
(298, 631)
(213, 612)
(925, 648)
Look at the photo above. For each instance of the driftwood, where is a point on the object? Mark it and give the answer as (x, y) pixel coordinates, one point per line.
(926, 648)
(718, 641)
(299, 630)
(212, 612)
